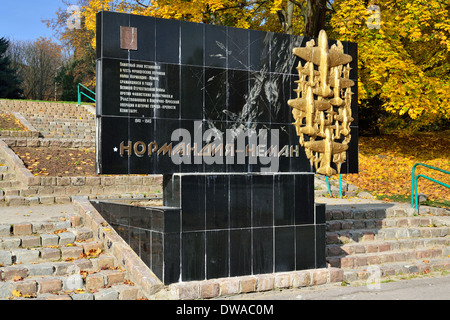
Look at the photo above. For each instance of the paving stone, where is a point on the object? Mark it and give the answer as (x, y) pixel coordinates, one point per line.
(107, 294)
(5, 258)
(71, 252)
(84, 264)
(31, 241)
(41, 269)
(21, 229)
(46, 200)
(73, 282)
(50, 296)
(6, 289)
(114, 276)
(32, 201)
(14, 272)
(49, 285)
(62, 268)
(82, 296)
(51, 254)
(127, 292)
(83, 233)
(27, 287)
(209, 289)
(65, 238)
(40, 227)
(95, 281)
(61, 225)
(49, 240)
(5, 230)
(25, 255)
(104, 262)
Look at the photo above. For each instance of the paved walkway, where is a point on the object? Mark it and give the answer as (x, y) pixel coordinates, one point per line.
(427, 288)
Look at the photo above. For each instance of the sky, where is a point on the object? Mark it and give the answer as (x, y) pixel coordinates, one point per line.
(22, 19)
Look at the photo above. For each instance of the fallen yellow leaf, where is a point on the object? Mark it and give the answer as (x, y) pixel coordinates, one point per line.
(16, 293)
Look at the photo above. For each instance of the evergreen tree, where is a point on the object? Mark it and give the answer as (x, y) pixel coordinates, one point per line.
(9, 83)
(66, 79)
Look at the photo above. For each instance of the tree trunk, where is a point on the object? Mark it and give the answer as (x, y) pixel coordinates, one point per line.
(315, 17)
(285, 17)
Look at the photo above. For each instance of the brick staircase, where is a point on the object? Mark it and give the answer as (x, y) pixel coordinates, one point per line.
(10, 187)
(55, 120)
(59, 260)
(390, 237)
(79, 256)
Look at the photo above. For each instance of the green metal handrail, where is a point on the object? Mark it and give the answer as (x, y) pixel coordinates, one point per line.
(84, 94)
(340, 186)
(414, 178)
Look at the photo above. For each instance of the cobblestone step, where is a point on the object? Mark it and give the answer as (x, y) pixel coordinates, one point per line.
(59, 260)
(367, 235)
(419, 221)
(378, 258)
(41, 227)
(8, 176)
(34, 200)
(55, 120)
(337, 250)
(407, 268)
(6, 185)
(83, 279)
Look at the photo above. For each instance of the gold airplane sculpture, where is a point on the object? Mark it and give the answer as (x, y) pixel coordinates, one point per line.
(319, 110)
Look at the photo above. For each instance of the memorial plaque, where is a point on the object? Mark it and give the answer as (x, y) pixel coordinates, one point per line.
(225, 89)
(128, 38)
(207, 107)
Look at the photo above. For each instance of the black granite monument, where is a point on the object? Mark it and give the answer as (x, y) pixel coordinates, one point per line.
(206, 106)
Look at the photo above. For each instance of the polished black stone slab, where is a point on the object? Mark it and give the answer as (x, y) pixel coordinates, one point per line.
(225, 225)
(184, 72)
(206, 106)
(152, 232)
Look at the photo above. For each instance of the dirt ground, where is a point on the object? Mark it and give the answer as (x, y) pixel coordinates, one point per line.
(9, 122)
(58, 162)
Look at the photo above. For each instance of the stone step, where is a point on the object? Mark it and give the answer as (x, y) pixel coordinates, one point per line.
(379, 258)
(20, 229)
(379, 211)
(45, 254)
(83, 279)
(45, 233)
(8, 176)
(402, 222)
(28, 197)
(367, 235)
(375, 211)
(386, 270)
(337, 250)
(9, 184)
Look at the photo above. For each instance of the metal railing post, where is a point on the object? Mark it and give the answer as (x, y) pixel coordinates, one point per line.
(414, 178)
(84, 94)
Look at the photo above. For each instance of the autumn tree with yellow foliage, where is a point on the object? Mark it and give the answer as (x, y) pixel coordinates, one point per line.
(404, 64)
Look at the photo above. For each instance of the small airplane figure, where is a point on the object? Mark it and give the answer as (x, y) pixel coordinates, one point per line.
(318, 96)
